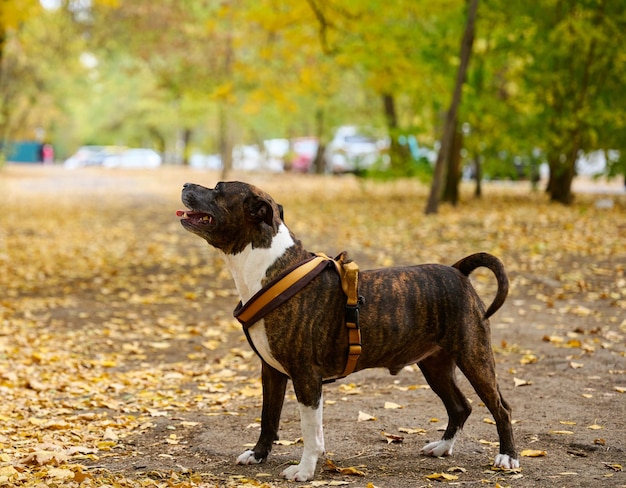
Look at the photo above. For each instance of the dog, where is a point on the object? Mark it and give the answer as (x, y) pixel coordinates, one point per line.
(429, 315)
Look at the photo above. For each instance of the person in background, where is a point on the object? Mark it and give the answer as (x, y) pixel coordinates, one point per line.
(47, 154)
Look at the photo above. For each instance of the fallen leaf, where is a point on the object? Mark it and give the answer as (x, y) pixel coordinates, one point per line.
(442, 476)
(331, 466)
(533, 453)
(392, 437)
(407, 430)
(284, 442)
(391, 405)
(364, 417)
(529, 359)
(60, 473)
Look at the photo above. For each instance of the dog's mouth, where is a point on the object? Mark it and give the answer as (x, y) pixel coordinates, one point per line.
(195, 218)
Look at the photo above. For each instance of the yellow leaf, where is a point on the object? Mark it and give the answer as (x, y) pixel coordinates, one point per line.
(489, 443)
(595, 427)
(561, 432)
(331, 466)
(520, 382)
(529, 359)
(60, 473)
(106, 445)
(442, 476)
(533, 453)
(574, 365)
(8, 474)
(488, 420)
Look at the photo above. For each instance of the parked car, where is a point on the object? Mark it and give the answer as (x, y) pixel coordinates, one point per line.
(351, 151)
(303, 152)
(91, 156)
(134, 158)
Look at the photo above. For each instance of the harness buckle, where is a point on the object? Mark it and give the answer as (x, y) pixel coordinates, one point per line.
(352, 316)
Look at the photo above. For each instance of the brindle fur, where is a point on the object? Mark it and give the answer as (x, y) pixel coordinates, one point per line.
(429, 314)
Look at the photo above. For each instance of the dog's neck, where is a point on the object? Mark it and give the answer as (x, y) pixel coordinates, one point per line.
(252, 267)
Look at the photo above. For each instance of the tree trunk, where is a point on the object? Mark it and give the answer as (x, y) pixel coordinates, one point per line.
(225, 141)
(450, 124)
(319, 162)
(453, 173)
(399, 155)
(186, 139)
(560, 182)
(478, 175)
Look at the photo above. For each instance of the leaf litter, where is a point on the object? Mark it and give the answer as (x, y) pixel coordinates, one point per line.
(117, 344)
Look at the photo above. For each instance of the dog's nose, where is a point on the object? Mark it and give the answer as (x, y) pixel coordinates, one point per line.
(185, 185)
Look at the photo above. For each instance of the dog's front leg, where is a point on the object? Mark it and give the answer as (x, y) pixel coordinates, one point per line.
(274, 385)
(310, 405)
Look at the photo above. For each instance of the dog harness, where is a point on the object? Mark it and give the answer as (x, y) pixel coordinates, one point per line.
(294, 279)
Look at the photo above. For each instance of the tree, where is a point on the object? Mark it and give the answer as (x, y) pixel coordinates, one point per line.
(551, 84)
(577, 74)
(450, 125)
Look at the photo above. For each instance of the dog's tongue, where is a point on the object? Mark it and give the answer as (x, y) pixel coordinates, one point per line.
(180, 213)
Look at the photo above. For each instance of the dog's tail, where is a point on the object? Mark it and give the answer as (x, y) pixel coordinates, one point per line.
(483, 259)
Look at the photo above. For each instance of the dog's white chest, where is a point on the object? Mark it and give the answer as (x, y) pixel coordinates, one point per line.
(261, 344)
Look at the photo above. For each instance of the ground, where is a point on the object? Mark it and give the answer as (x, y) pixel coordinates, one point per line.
(121, 364)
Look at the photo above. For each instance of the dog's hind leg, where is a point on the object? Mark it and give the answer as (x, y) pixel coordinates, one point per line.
(274, 386)
(439, 369)
(483, 379)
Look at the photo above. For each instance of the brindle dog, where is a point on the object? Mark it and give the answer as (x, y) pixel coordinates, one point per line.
(427, 314)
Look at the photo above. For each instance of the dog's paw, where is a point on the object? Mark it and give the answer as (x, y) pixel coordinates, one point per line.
(298, 472)
(247, 457)
(505, 461)
(438, 448)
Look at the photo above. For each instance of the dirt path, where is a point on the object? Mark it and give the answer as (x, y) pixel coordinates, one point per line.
(119, 353)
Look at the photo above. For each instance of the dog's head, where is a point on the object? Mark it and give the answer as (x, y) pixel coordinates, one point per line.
(230, 216)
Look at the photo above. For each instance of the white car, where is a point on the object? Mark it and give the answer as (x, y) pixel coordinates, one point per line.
(134, 158)
(351, 151)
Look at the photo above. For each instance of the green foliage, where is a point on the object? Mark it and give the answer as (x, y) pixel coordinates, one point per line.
(545, 80)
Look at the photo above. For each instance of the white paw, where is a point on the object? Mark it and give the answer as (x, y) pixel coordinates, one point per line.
(506, 462)
(247, 457)
(299, 472)
(438, 448)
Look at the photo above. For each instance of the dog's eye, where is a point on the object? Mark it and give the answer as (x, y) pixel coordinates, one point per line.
(218, 187)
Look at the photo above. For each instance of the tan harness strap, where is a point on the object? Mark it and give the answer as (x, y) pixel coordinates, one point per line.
(278, 292)
(349, 274)
(291, 282)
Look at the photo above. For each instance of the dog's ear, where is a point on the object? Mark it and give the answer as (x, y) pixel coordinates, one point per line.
(259, 210)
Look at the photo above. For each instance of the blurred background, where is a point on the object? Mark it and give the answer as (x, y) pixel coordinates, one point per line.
(318, 86)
